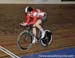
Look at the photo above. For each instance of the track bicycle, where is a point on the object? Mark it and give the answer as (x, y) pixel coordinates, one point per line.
(24, 40)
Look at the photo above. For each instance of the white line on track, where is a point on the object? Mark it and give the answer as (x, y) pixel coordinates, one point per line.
(8, 52)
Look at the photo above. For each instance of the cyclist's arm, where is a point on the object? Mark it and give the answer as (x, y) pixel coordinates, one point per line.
(27, 19)
(34, 21)
(34, 18)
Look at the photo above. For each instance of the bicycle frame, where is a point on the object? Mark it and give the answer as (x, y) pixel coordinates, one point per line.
(28, 27)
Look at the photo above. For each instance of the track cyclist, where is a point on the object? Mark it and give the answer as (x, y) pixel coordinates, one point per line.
(35, 17)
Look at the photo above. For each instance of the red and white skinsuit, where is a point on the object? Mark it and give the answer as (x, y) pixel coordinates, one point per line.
(35, 14)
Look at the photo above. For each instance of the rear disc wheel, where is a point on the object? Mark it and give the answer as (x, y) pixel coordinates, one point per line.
(46, 41)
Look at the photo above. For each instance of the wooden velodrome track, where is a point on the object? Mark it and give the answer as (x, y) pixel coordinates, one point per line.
(61, 21)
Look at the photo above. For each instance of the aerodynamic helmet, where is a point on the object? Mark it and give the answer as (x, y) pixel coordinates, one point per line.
(28, 9)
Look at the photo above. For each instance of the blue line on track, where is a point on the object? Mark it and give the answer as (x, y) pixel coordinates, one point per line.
(64, 53)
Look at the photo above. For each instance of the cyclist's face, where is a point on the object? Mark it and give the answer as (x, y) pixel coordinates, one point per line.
(29, 13)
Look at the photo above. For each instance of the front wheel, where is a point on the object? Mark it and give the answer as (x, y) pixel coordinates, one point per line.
(46, 41)
(24, 40)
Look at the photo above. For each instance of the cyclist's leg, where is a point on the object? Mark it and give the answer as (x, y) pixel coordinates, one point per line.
(34, 33)
(39, 21)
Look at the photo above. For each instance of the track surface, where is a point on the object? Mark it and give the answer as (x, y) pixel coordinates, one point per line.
(61, 21)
